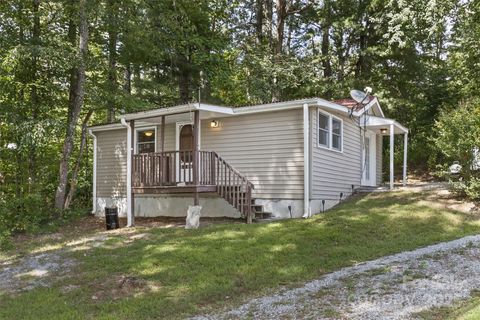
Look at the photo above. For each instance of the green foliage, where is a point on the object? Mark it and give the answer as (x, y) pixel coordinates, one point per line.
(20, 214)
(457, 136)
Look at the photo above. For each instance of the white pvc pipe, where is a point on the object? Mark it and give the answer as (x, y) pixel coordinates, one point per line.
(129, 171)
(94, 176)
(392, 133)
(306, 163)
(405, 150)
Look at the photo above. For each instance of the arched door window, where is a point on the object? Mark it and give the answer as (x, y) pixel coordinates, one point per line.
(186, 142)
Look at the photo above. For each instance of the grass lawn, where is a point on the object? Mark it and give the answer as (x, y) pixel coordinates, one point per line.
(464, 310)
(184, 272)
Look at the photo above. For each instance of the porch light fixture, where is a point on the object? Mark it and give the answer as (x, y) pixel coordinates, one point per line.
(383, 131)
(214, 124)
(148, 133)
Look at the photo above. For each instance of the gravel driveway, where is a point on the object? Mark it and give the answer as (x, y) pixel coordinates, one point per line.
(392, 287)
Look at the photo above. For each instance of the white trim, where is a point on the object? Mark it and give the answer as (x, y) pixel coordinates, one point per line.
(329, 117)
(135, 146)
(106, 127)
(405, 150)
(392, 136)
(306, 163)
(378, 121)
(94, 175)
(372, 181)
(177, 133)
(130, 150)
(177, 109)
(330, 131)
(341, 134)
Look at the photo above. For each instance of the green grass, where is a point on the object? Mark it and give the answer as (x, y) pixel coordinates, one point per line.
(464, 310)
(190, 271)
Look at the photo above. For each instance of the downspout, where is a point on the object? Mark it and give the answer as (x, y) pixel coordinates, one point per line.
(94, 175)
(306, 162)
(129, 171)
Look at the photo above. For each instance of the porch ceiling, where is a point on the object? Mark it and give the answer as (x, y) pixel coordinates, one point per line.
(181, 117)
(376, 124)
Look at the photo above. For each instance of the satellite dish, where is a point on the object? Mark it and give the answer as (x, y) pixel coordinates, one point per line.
(358, 95)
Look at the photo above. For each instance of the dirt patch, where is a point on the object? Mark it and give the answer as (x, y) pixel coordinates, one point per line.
(33, 271)
(121, 286)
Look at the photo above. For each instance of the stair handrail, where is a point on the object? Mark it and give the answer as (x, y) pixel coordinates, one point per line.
(239, 200)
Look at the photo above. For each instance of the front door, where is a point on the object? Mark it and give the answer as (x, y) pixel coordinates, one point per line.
(369, 154)
(184, 142)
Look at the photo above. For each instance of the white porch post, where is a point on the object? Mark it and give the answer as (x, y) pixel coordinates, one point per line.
(392, 136)
(306, 162)
(129, 171)
(405, 146)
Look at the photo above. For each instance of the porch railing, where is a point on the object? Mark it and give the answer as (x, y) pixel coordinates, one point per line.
(176, 168)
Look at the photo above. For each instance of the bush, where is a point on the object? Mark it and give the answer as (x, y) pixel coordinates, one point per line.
(457, 135)
(21, 214)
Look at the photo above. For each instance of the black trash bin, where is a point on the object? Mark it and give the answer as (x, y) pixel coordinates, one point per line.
(111, 218)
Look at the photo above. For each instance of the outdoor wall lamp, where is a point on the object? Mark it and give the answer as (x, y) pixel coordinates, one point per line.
(383, 131)
(214, 124)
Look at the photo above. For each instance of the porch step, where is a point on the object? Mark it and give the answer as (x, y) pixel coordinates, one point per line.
(366, 189)
(262, 216)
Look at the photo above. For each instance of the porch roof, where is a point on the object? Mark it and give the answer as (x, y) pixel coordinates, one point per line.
(377, 123)
(212, 111)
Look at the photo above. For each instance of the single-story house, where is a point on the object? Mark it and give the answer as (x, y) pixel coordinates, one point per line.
(290, 159)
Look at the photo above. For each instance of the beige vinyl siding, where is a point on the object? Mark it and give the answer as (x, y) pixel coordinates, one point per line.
(332, 171)
(169, 137)
(379, 159)
(111, 163)
(266, 147)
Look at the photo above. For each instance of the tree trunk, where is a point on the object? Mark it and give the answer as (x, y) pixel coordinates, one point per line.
(269, 22)
(327, 68)
(259, 20)
(184, 78)
(112, 59)
(77, 91)
(32, 158)
(127, 86)
(74, 179)
(278, 47)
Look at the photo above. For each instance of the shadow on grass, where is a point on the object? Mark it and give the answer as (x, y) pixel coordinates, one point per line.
(195, 270)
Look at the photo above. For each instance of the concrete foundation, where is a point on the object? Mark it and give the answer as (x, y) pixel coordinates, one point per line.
(169, 206)
(212, 206)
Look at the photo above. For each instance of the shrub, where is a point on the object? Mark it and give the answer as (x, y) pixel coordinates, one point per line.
(20, 214)
(457, 135)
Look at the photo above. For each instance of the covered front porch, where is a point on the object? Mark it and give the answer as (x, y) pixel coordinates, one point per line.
(164, 156)
(390, 128)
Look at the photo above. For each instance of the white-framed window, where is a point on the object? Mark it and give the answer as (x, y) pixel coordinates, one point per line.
(330, 131)
(323, 130)
(145, 140)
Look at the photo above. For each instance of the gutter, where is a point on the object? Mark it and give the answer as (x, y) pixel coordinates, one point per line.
(129, 171)
(94, 176)
(306, 162)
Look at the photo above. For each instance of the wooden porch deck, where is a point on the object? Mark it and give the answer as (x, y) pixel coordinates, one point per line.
(191, 172)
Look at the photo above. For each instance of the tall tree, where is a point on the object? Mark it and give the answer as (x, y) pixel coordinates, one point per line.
(77, 92)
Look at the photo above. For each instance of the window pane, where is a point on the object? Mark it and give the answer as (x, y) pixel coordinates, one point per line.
(336, 142)
(146, 147)
(146, 135)
(336, 126)
(323, 137)
(322, 121)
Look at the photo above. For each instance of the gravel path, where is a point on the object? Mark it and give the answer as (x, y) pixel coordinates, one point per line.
(44, 268)
(392, 287)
